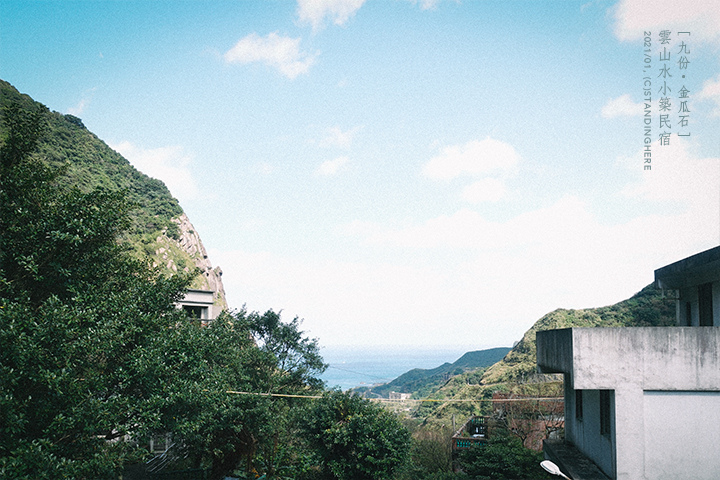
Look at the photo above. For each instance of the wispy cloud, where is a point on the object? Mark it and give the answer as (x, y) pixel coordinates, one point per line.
(426, 4)
(332, 167)
(474, 158)
(336, 137)
(678, 176)
(273, 50)
(264, 168)
(80, 107)
(701, 17)
(484, 190)
(622, 106)
(169, 164)
(314, 12)
(711, 91)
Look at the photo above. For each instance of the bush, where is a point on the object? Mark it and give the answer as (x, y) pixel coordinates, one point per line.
(503, 457)
(356, 439)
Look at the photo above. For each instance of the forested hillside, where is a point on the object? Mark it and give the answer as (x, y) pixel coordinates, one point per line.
(96, 360)
(647, 308)
(516, 372)
(421, 382)
(159, 230)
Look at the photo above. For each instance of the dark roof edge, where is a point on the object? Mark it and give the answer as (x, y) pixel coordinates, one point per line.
(694, 261)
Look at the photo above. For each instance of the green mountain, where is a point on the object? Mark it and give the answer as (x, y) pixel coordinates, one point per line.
(470, 393)
(160, 231)
(647, 308)
(420, 381)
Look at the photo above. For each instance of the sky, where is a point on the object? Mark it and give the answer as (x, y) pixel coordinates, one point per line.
(400, 172)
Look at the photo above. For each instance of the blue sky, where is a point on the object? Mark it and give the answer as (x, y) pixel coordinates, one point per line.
(399, 172)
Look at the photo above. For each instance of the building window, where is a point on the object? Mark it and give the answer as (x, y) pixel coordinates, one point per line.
(688, 314)
(605, 404)
(705, 306)
(579, 404)
(195, 311)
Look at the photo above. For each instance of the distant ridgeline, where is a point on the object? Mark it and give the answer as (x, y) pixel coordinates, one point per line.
(477, 374)
(420, 381)
(160, 231)
(647, 308)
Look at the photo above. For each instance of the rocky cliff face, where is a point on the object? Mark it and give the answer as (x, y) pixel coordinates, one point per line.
(183, 250)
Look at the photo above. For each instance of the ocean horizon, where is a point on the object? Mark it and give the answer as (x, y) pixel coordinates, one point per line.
(352, 366)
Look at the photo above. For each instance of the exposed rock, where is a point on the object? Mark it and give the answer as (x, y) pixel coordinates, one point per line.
(190, 243)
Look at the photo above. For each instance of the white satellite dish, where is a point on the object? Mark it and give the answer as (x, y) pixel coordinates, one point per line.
(553, 469)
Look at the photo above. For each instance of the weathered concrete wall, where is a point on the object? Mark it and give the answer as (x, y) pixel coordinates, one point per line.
(682, 435)
(584, 434)
(631, 362)
(650, 358)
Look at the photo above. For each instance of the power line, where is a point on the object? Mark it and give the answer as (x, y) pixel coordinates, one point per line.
(388, 400)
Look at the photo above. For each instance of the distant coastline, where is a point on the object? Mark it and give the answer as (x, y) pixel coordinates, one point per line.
(365, 365)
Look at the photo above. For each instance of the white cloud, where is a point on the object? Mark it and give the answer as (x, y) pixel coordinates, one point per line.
(622, 106)
(264, 168)
(467, 229)
(473, 158)
(484, 190)
(315, 11)
(282, 53)
(349, 302)
(677, 176)
(80, 107)
(461, 275)
(711, 91)
(558, 256)
(700, 17)
(332, 167)
(336, 137)
(169, 164)
(426, 4)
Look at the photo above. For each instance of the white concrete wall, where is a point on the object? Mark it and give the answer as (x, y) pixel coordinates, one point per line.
(585, 433)
(632, 361)
(682, 438)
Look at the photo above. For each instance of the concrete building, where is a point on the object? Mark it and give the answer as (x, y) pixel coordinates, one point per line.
(200, 304)
(644, 402)
(695, 283)
(399, 396)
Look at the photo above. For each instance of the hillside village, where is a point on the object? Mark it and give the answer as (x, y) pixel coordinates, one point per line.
(596, 390)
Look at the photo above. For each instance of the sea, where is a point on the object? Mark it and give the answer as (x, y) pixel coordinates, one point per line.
(353, 366)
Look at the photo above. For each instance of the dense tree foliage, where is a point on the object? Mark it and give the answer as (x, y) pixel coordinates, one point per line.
(89, 164)
(430, 456)
(502, 458)
(215, 383)
(355, 438)
(95, 356)
(76, 315)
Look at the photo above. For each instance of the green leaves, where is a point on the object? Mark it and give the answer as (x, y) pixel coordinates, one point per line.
(356, 439)
(76, 312)
(92, 348)
(502, 458)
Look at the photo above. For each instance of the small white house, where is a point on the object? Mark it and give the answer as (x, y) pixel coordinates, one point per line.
(644, 402)
(199, 304)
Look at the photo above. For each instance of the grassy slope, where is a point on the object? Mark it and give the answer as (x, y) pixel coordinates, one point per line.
(647, 308)
(91, 163)
(516, 371)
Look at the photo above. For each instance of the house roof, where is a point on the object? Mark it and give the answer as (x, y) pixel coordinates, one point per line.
(700, 268)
